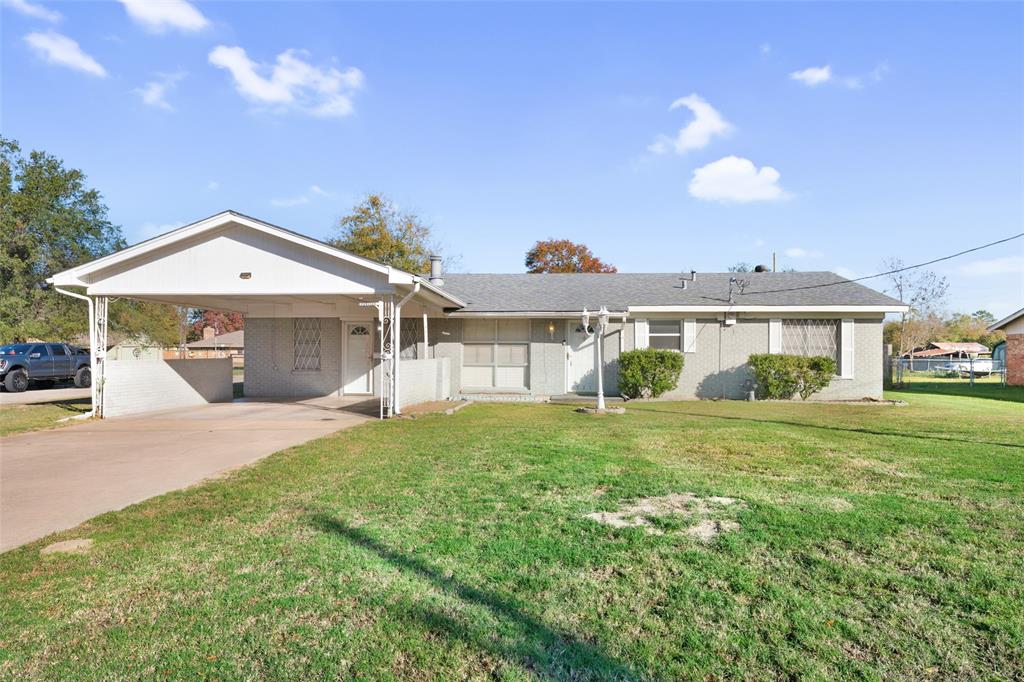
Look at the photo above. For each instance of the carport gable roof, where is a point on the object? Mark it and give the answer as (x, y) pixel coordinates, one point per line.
(89, 273)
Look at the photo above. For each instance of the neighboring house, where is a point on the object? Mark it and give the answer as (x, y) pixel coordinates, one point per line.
(950, 349)
(126, 347)
(212, 345)
(1013, 325)
(322, 321)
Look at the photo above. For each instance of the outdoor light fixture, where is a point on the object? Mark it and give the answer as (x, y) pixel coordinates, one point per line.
(551, 329)
(245, 275)
(602, 325)
(584, 323)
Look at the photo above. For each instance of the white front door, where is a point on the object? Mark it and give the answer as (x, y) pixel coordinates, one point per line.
(582, 361)
(358, 358)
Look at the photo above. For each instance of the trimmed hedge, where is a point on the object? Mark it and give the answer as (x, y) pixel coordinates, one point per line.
(648, 372)
(780, 377)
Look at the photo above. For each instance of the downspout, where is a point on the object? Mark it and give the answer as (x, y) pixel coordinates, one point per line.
(397, 350)
(92, 350)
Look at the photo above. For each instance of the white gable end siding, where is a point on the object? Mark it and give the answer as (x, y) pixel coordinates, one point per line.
(213, 263)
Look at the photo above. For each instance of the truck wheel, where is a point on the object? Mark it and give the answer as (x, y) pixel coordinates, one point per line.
(83, 377)
(16, 381)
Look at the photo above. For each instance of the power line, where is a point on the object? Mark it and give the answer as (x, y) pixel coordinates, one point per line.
(890, 272)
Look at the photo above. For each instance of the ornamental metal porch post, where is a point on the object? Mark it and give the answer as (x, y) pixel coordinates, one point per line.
(602, 324)
(99, 371)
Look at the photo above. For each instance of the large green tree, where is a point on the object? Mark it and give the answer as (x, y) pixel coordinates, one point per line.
(377, 230)
(50, 220)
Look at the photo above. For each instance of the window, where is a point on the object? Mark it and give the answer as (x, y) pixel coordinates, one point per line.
(811, 338)
(663, 334)
(306, 343)
(495, 353)
(41, 349)
(57, 350)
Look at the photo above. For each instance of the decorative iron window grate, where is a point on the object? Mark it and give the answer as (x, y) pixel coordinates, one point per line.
(410, 335)
(811, 338)
(306, 341)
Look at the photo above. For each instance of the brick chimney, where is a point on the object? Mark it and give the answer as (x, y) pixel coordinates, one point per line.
(209, 333)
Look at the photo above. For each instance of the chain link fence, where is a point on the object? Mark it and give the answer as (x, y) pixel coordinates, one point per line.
(967, 370)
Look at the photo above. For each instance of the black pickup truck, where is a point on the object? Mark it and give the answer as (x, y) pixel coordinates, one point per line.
(21, 363)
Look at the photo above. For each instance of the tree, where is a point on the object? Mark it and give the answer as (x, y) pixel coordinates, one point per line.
(974, 327)
(379, 231)
(922, 291)
(562, 255)
(742, 266)
(49, 221)
(221, 322)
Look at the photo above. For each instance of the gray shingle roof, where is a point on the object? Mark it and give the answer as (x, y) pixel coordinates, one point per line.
(618, 291)
(235, 339)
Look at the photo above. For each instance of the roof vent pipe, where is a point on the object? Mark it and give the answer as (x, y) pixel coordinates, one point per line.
(762, 268)
(435, 271)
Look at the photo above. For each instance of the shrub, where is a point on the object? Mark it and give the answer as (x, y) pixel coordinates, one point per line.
(780, 377)
(649, 372)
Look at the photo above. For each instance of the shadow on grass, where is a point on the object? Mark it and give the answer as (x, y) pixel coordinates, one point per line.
(537, 647)
(870, 432)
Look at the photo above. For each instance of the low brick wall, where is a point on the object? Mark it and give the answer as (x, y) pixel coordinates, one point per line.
(421, 381)
(137, 386)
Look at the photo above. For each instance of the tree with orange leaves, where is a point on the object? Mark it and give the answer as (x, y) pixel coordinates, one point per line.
(562, 255)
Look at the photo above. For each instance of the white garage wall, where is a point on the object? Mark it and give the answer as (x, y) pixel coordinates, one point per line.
(137, 386)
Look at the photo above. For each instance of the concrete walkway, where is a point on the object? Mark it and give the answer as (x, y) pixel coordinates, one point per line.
(53, 480)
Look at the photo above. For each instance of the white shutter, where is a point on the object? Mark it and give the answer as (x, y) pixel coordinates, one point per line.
(846, 349)
(642, 339)
(775, 336)
(689, 336)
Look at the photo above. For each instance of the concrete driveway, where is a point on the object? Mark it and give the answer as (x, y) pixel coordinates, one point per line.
(44, 395)
(53, 480)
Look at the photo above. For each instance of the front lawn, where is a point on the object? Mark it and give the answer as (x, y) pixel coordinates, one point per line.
(865, 541)
(36, 416)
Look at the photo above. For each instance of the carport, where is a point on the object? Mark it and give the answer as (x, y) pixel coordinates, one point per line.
(341, 313)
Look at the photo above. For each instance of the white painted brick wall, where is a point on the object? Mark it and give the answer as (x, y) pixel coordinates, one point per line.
(136, 386)
(270, 358)
(421, 381)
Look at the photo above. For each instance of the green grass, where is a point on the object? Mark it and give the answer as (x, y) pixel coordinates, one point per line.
(989, 387)
(21, 418)
(875, 542)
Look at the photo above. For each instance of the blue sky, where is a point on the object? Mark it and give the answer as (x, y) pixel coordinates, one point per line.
(665, 136)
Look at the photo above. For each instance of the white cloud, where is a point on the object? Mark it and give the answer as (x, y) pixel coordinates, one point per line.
(817, 75)
(150, 230)
(765, 49)
(290, 201)
(1003, 265)
(848, 273)
(304, 198)
(154, 93)
(706, 123)
(213, 185)
(33, 10)
(315, 189)
(813, 76)
(797, 252)
(159, 15)
(59, 49)
(292, 83)
(733, 179)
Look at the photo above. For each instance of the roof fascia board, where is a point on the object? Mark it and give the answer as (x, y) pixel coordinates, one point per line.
(1006, 320)
(634, 310)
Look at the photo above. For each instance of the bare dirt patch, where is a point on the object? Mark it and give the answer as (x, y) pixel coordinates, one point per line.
(701, 511)
(77, 546)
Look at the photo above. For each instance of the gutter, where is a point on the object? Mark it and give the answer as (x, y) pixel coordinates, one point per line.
(92, 351)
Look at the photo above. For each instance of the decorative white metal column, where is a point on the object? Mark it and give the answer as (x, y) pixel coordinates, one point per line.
(99, 373)
(386, 312)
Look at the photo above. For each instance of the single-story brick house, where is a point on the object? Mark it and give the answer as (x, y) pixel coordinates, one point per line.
(322, 321)
(1013, 325)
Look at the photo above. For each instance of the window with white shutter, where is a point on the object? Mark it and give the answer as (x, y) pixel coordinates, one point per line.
(846, 346)
(641, 341)
(690, 336)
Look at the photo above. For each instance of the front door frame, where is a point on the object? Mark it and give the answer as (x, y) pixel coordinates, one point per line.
(346, 325)
(570, 330)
